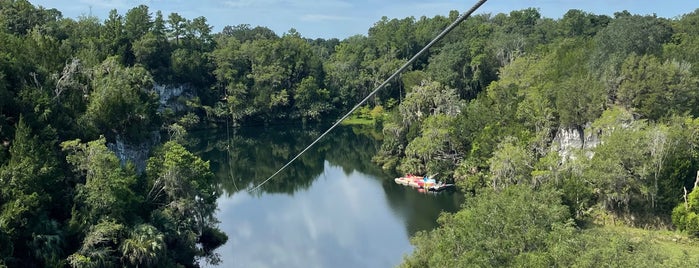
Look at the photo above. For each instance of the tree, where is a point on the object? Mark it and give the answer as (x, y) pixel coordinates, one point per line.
(114, 38)
(177, 26)
(468, 64)
(244, 33)
(182, 197)
(123, 102)
(346, 78)
(231, 69)
(580, 100)
(87, 41)
(430, 98)
(495, 229)
(524, 227)
(198, 34)
(30, 183)
(628, 163)
(576, 22)
(20, 17)
(684, 44)
(685, 216)
(625, 35)
(100, 246)
(137, 22)
(190, 66)
(655, 90)
(311, 100)
(106, 190)
(144, 246)
(510, 164)
(152, 51)
(435, 150)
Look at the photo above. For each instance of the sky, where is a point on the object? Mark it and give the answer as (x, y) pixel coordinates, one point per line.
(344, 18)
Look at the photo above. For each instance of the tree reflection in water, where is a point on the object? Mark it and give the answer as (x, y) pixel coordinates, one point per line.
(245, 157)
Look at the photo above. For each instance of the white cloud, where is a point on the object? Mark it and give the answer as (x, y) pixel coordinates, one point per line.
(296, 4)
(322, 17)
(104, 3)
(241, 3)
(322, 4)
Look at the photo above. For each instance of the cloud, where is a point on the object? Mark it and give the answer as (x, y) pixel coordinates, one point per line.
(241, 3)
(322, 4)
(322, 17)
(105, 3)
(116, 3)
(297, 4)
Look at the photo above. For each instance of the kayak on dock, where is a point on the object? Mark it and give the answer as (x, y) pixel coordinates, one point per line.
(407, 179)
(423, 183)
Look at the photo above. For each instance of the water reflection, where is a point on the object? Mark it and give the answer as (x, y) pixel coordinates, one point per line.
(247, 156)
(419, 210)
(338, 222)
(332, 208)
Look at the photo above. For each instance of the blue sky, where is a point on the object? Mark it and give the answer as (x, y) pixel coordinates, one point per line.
(343, 18)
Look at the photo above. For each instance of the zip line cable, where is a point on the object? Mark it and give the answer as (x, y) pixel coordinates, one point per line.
(385, 82)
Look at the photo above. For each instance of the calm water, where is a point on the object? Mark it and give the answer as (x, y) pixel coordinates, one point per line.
(332, 208)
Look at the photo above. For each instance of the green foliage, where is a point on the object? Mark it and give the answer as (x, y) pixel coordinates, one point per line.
(495, 229)
(28, 190)
(530, 228)
(511, 164)
(465, 65)
(123, 102)
(311, 100)
(583, 73)
(426, 115)
(144, 246)
(178, 205)
(243, 32)
(271, 79)
(656, 90)
(182, 197)
(686, 215)
(137, 22)
(684, 44)
(107, 191)
(469, 177)
(629, 34)
(430, 98)
(576, 22)
(434, 150)
(100, 246)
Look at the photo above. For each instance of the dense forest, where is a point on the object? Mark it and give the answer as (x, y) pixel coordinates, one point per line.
(551, 127)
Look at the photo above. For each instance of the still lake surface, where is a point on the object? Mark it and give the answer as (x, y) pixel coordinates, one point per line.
(332, 208)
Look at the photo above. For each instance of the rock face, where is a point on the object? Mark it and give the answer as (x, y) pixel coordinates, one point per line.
(134, 153)
(138, 153)
(168, 95)
(568, 140)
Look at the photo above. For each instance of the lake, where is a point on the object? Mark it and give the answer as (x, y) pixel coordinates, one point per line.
(331, 208)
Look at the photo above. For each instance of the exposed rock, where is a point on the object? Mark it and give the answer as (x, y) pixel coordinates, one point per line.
(568, 140)
(138, 153)
(168, 95)
(134, 153)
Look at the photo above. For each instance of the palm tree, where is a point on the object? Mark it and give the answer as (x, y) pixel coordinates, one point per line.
(143, 247)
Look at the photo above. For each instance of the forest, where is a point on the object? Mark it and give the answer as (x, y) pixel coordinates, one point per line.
(560, 132)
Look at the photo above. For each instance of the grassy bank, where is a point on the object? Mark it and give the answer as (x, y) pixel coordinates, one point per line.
(671, 244)
(355, 120)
